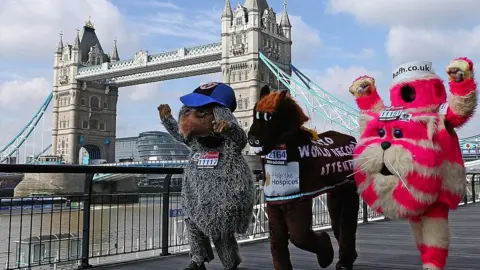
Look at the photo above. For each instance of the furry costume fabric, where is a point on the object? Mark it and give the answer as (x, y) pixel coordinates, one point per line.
(397, 163)
(299, 165)
(419, 148)
(218, 202)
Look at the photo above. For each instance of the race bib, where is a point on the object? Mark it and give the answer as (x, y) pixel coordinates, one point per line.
(208, 160)
(405, 117)
(282, 180)
(278, 156)
(443, 109)
(390, 115)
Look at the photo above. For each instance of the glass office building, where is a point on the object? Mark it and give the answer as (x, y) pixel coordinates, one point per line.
(150, 145)
(157, 145)
(126, 149)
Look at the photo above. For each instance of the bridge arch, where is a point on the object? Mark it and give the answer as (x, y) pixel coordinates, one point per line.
(88, 153)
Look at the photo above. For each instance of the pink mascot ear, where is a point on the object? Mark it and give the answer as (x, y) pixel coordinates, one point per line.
(363, 121)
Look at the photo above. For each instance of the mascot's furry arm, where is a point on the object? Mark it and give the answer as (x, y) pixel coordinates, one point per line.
(170, 124)
(228, 128)
(461, 107)
(366, 95)
(463, 102)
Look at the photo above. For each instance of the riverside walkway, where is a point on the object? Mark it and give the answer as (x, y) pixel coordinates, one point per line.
(381, 245)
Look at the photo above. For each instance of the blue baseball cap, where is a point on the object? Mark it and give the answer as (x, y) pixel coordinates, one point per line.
(211, 93)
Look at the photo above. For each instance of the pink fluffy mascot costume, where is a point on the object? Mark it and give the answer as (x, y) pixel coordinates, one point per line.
(431, 145)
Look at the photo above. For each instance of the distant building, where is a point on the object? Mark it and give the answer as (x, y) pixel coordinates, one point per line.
(126, 149)
(157, 145)
(150, 145)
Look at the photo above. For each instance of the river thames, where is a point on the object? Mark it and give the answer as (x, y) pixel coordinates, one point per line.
(114, 228)
(127, 229)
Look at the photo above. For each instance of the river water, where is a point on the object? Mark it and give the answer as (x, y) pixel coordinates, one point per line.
(115, 228)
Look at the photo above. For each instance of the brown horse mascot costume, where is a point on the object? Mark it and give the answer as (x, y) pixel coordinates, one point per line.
(299, 165)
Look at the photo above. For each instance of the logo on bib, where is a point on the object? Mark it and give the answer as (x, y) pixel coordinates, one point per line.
(405, 117)
(208, 160)
(196, 156)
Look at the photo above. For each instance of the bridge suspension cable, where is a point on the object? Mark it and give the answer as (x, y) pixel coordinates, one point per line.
(10, 148)
(316, 98)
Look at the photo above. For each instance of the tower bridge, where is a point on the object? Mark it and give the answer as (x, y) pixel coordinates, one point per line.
(87, 80)
(146, 68)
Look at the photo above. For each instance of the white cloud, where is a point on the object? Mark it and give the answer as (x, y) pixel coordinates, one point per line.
(336, 80)
(159, 4)
(411, 13)
(142, 92)
(406, 44)
(435, 30)
(18, 94)
(200, 26)
(204, 26)
(306, 39)
(19, 100)
(30, 31)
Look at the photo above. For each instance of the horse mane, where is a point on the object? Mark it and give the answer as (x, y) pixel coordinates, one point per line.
(313, 133)
(270, 103)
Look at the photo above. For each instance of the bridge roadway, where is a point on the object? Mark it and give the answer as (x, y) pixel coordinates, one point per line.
(381, 245)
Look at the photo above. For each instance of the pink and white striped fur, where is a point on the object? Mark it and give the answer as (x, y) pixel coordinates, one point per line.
(432, 169)
(404, 180)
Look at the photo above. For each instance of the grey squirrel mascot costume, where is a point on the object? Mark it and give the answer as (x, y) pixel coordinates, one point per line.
(217, 188)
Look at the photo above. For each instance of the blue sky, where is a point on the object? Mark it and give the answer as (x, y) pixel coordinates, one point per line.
(334, 42)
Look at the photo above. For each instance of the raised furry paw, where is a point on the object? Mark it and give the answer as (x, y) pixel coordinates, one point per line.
(362, 86)
(220, 126)
(164, 111)
(460, 69)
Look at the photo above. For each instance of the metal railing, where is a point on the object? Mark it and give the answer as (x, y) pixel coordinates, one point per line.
(55, 230)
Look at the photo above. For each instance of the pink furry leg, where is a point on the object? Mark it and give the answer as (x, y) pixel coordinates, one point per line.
(436, 237)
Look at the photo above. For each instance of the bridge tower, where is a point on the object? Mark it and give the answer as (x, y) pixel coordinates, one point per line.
(246, 30)
(84, 114)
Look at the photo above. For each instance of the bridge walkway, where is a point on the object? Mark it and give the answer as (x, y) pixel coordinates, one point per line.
(381, 245)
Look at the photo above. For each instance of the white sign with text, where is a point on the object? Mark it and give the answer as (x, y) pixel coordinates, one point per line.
(282, 180)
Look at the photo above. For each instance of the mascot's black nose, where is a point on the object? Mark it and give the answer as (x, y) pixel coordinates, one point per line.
(385, 145)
